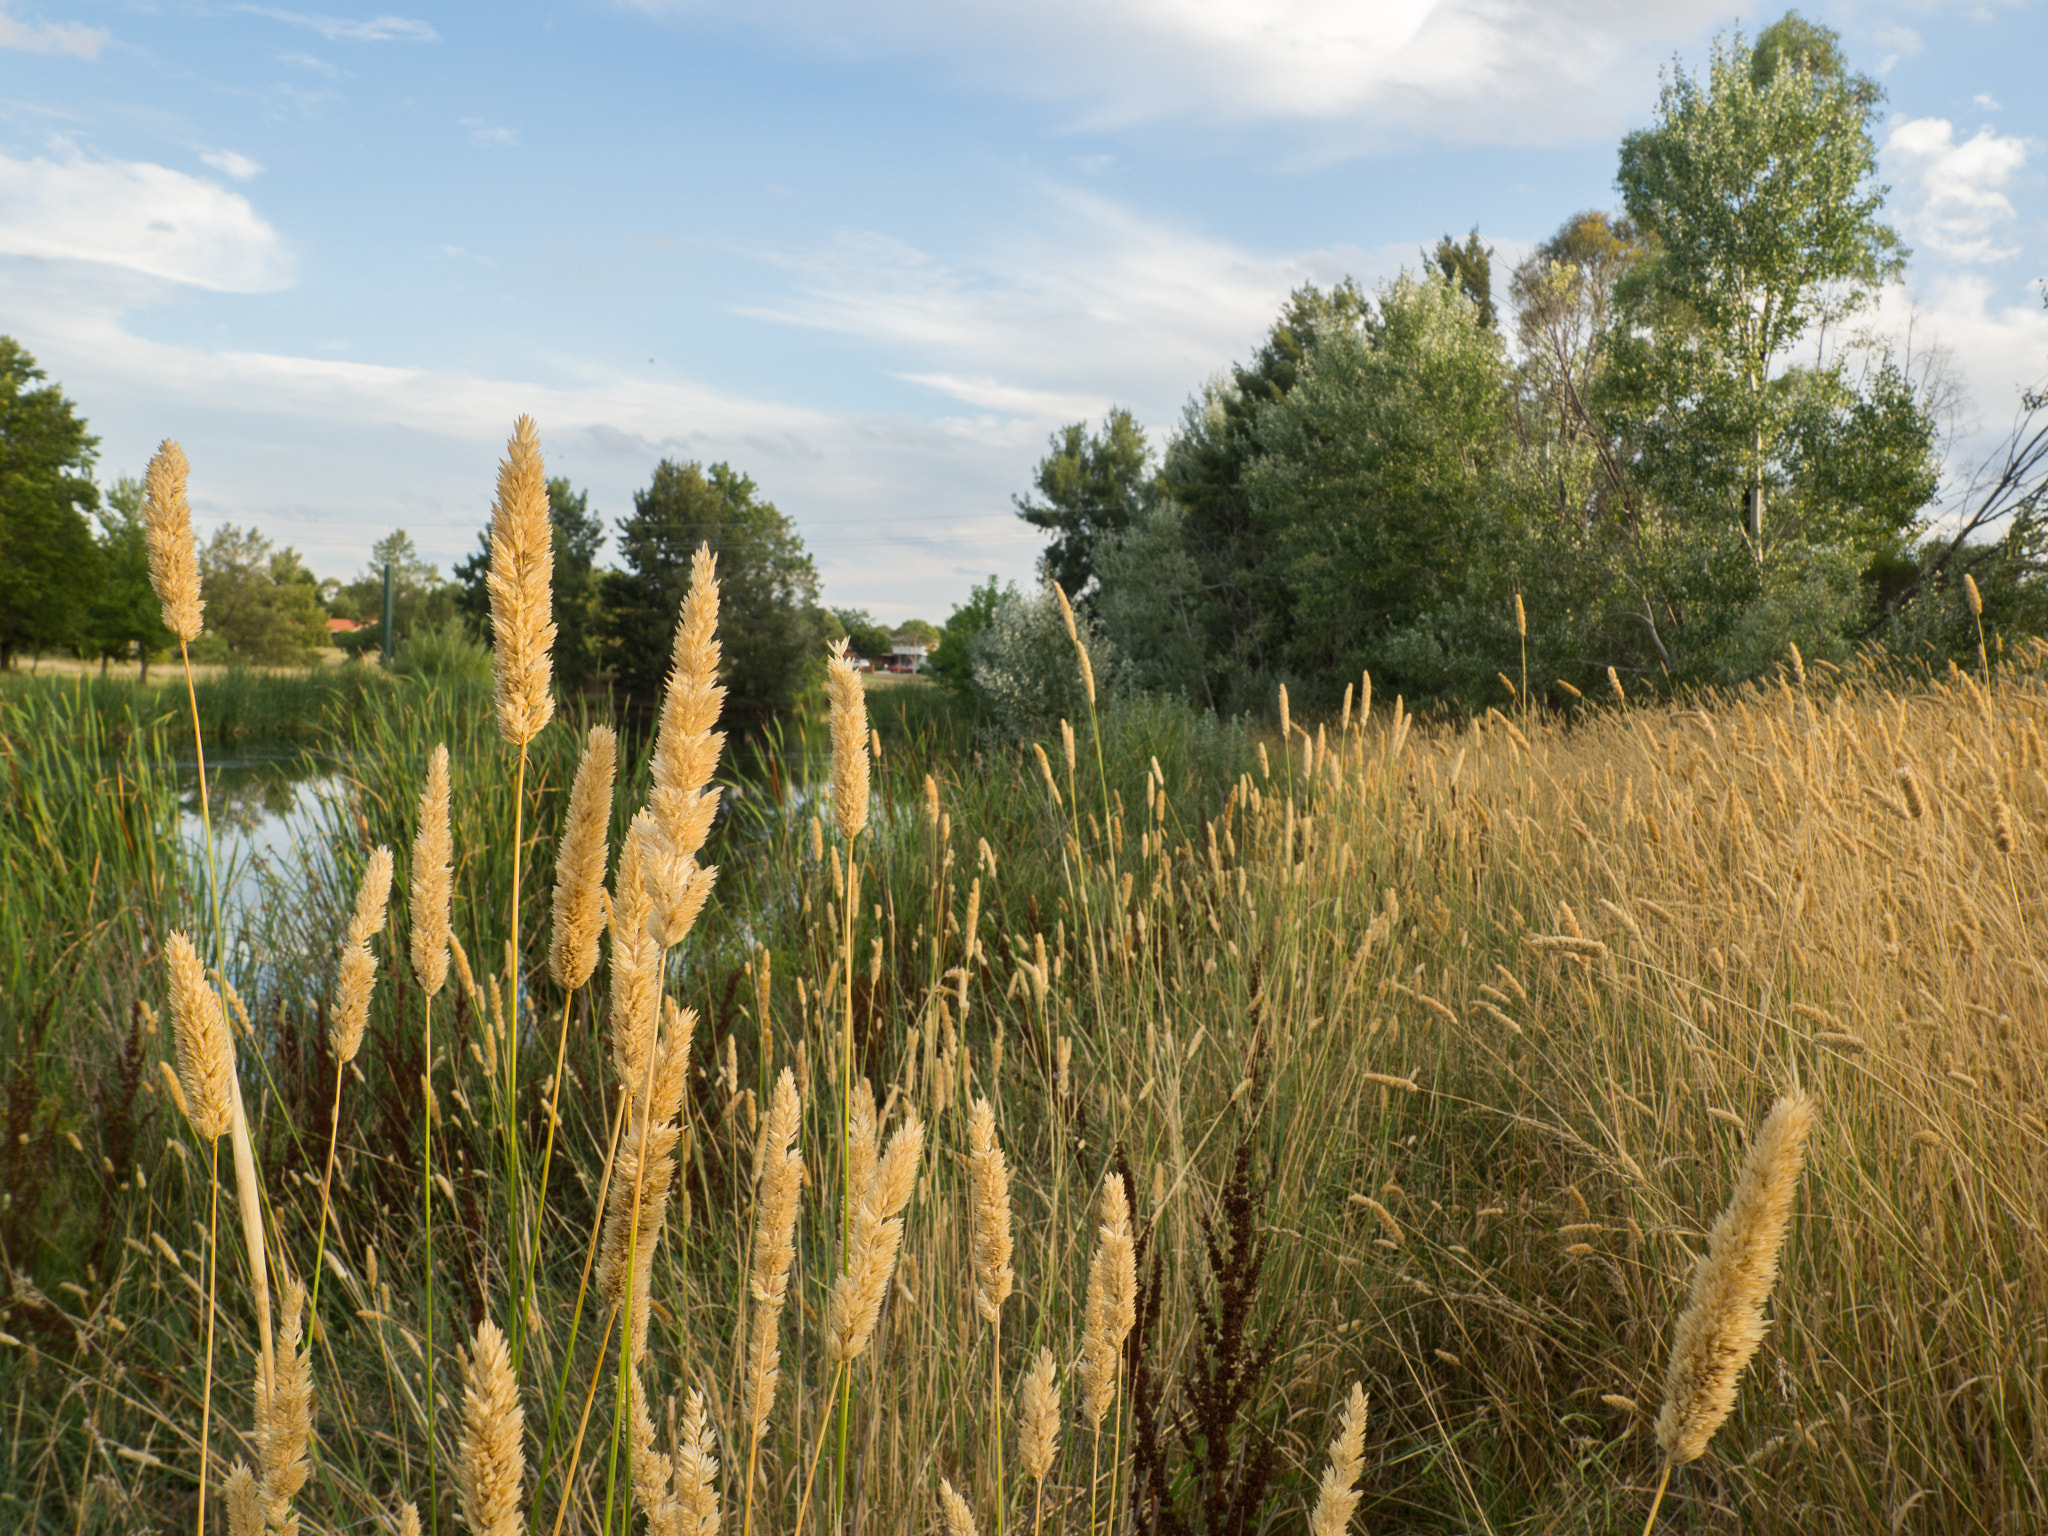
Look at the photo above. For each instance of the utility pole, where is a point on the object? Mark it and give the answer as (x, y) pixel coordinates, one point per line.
(390, 609)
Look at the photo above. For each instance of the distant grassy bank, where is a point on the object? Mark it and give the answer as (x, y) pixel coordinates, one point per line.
(317, 705)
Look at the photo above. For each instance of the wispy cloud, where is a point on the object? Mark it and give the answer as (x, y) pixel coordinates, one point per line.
(1955, 195)
(307, 61)
(146, 218)
(228, 163)
(483, 136)
(1470, 70)
(342, 29)
(74, 38)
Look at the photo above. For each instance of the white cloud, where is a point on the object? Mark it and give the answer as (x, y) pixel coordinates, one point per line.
(481, 137)
(1476, 70)
(147, 218)
(66, 37)
(1956, 189)
(378, 29)
(1985, 101)
(228, 163)
(307, 61)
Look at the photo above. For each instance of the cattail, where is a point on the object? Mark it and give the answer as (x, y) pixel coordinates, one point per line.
(775, 1213)
(579, 863)
(284, 1415)
(433, 852)
(1972, 596)
(1521, 617)
(1723, 1319)
(1112, 1301)
(491, 1469)
(167, 522)
(993, 1276)
(849, 743)
(1338, 1496)
(856, 1302)
(959, 1518)
(1039, 1433)
(697, 1470)
(522, 567)
(206, 1057)
(245, 1502)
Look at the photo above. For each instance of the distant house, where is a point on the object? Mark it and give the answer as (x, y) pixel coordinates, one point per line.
(905, 655)
(342, 626)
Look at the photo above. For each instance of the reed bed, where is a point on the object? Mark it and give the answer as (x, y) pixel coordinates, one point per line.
(1056, 1141)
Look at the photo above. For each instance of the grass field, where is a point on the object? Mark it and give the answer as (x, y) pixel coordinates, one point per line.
(1426, 1055)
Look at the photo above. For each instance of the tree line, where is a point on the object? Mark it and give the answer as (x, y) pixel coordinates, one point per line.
(1673, 443)
(74, 576)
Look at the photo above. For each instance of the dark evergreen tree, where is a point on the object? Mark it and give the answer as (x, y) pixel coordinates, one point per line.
(1092, 485)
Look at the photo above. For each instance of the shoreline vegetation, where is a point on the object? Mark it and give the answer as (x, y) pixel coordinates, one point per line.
(1161, 1126)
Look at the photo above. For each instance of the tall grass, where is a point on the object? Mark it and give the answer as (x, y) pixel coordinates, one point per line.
(1393, 1065)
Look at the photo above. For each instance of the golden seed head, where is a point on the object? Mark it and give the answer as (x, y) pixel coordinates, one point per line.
(1909, 786)
(1039, 1433)
(167, 523)
(1973, 597)
(433, 855)
(1112, 1305)
(959, 1518)
(490, 1471)
(1338, 1496)
(775, 1213)
(373, 897)
(1286, 720)
(1521, 617)
(990, 1222)
(2002, 825)
(580, 863)
(522, 569)
(697, 1470)
(849, 743)
(358, 966)
(1614, 683)
(1723, 1319)
(408, 1519)
(284, 1413)
(871, 1249)
(1066, 613)
(245, 1502)
(206, 1058)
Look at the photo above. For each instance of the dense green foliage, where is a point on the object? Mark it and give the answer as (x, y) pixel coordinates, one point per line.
(769, 590)
(46, 546)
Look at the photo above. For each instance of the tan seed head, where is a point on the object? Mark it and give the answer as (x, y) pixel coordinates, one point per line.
(522, 569)
(433, 855)
(206, 1058)
(173, 561)
(849, 743)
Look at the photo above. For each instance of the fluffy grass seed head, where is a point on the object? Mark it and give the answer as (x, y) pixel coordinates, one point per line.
(580, 861)
(433, 857)
(775, 1213)
(167, 523)
(856, 1301)
(1723, 1319)
(686, 750)
(522, 568)
(358, 966)
(408, 1519)
(990, 1221)
(697, 1470)
(1038, 1435)
(206, 1057)
(284, 1415)
(959, 1518)
(849, 743)
(491, 1465)
(1338, 1496)
(1112, 1307)
(244, 1501)
(1972, 596)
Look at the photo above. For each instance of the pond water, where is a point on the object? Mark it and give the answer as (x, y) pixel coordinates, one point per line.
(270, 808)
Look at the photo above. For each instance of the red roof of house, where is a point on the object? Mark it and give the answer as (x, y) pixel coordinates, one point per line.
(342, 626)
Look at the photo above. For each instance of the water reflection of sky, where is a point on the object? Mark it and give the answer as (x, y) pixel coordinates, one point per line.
(269, 807)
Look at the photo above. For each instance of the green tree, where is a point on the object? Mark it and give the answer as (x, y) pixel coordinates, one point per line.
(919, 632)
(262, 604)
(869, 640)
(47, 556)
(768, 588)
(1469, 269)
(575, 590)
(1093, 485)
(952, 659)
(1756, 186)
(126, 615)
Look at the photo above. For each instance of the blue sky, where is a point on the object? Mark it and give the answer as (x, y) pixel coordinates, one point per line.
(871, 254)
